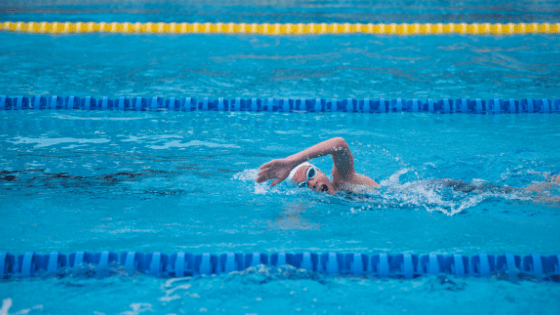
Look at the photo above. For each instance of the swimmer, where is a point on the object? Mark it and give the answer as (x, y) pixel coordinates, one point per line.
(298, 171)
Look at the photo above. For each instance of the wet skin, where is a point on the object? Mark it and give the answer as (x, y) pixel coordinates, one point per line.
(343, 173)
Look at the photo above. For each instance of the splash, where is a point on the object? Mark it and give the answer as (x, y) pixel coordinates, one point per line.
(394, 193)
(247, 175)
(7, 304)
(250, 176)
(430, 195)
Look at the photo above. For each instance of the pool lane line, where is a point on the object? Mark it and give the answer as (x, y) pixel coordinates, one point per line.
(366, 105)
(288, 29)
(382, 265)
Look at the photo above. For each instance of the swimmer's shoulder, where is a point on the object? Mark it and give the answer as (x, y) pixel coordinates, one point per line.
(362, 180)
(355, 183)
(359, 184)
(356, 189)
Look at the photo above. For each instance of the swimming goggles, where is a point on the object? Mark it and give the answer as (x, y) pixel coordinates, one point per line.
(310, 174)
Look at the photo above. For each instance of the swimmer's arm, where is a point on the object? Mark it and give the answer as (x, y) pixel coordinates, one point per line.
(545, 187)
(280, 169)
(539, 187)
(337, 147)
(343, 169)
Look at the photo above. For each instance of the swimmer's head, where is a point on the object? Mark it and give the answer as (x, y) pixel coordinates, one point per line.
(309, 176)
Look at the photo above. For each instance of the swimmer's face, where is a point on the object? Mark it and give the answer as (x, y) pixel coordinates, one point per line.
(319, 183)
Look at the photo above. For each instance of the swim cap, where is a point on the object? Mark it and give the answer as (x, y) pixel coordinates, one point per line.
(294, 170)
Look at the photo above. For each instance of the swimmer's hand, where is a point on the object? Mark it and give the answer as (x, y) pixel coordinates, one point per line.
(279, 169)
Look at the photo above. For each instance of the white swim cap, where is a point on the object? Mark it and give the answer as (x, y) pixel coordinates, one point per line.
(294, 170)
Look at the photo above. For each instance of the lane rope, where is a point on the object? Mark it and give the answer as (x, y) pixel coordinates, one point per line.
(366, 105)
(181, 264)
(60, 28)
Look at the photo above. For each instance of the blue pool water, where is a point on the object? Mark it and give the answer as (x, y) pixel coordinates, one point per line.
(285, 11)
(175, 181)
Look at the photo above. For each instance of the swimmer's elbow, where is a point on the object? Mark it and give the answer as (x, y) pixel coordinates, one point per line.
(339, 142)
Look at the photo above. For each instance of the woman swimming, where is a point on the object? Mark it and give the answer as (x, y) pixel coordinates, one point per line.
(298, 171)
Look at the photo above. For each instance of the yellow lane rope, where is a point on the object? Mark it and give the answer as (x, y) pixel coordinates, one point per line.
(280, 29)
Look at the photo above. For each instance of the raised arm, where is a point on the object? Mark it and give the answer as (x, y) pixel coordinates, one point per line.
(337, 147)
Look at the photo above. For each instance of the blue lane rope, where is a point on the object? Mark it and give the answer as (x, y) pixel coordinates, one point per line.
(461, 105)
(382, 265)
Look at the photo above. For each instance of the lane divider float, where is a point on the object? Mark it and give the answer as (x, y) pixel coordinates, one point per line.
(366, 105)
(181, 264)
(60, 28)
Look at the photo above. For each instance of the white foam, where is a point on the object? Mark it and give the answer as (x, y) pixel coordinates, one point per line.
(192, 143)
(7, 304)
(247, 175)
(45, 142)
(420, 194)
(250, 176)
(423, 194)
(138, 308)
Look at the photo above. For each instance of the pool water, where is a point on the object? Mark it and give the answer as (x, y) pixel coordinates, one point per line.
(177, 181)
(173, 182)
(342, 66)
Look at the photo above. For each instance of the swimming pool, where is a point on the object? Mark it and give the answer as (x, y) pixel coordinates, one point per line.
(178, 181)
